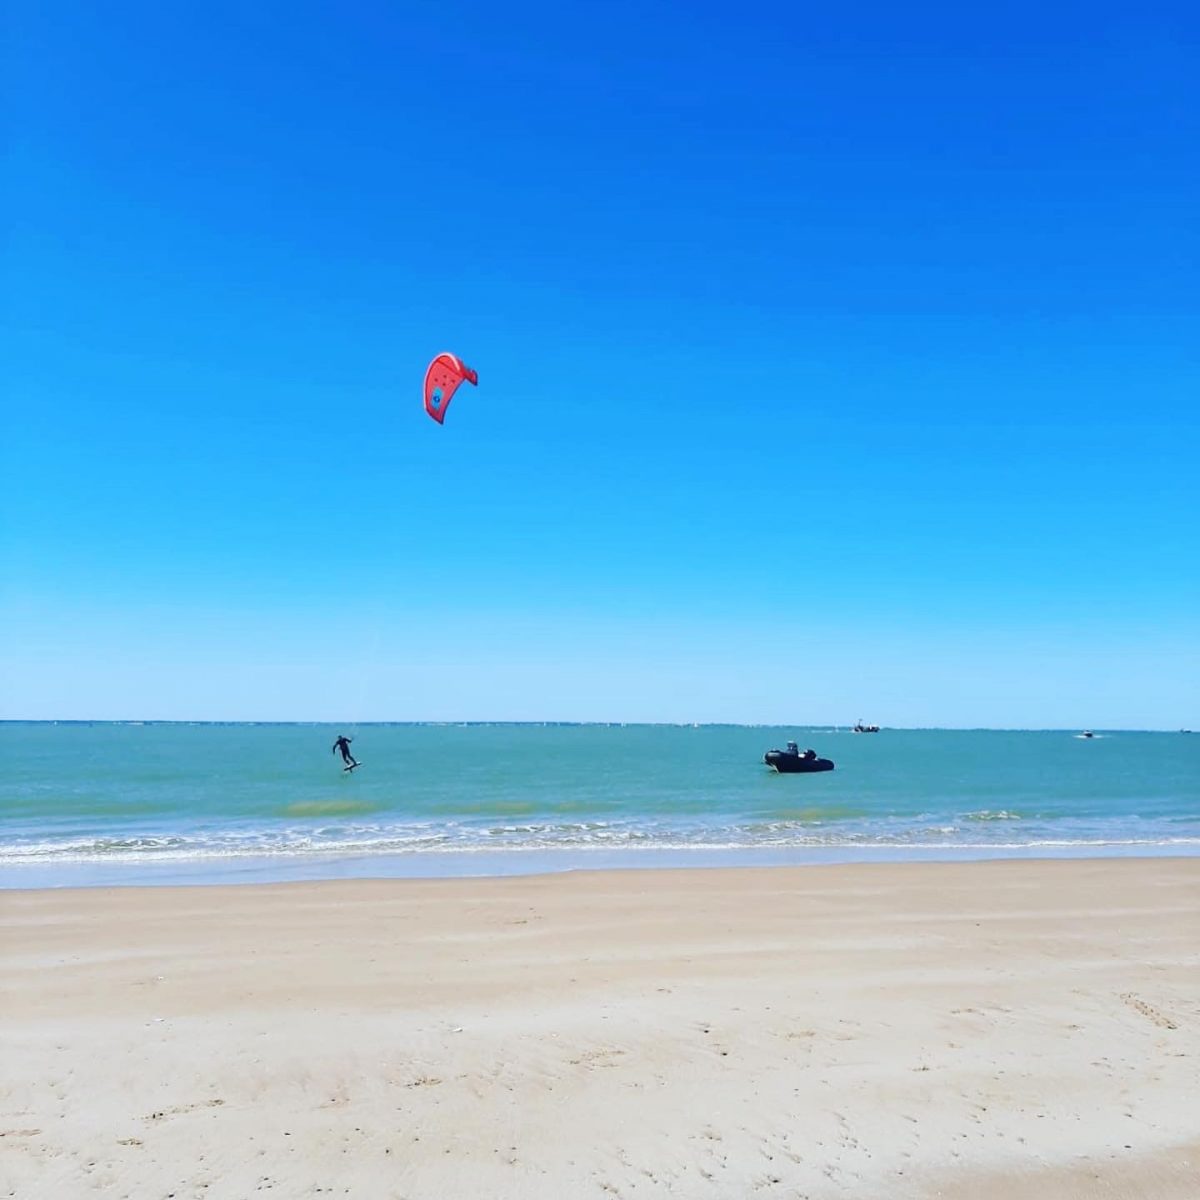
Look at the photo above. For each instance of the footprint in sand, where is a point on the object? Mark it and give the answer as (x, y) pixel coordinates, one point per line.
(596, 1058)
(180, 1109)
(1148, 1011)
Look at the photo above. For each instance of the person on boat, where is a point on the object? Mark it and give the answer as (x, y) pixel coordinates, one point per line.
(792, 748)
(343, 744)
(810, 754)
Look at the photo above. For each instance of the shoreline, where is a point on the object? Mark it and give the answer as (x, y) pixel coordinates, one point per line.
(903, 1029)
(317, 867)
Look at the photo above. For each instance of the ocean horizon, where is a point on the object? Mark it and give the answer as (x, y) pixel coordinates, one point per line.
(85, 803)
(484, 721)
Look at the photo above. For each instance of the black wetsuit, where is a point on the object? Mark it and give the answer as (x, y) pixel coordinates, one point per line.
(343, 744)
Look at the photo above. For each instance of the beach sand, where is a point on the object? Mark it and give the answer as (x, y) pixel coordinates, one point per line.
(987, 1030)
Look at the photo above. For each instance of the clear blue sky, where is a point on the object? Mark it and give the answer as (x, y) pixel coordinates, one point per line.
(835, 361)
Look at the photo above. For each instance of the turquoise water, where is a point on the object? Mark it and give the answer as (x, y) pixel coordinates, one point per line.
(129, 803)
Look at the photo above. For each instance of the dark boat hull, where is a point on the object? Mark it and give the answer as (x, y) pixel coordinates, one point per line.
(795, 764)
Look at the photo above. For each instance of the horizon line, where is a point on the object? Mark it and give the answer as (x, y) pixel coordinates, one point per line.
(549, 722)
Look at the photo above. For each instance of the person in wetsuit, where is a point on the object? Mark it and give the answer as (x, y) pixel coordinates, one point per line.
(343, 744)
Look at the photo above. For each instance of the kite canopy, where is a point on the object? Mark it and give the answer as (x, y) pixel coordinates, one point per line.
(442, 378)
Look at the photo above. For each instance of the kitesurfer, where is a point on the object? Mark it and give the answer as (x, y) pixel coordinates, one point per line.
(343, 744)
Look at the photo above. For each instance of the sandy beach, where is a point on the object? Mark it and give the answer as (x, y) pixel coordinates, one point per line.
(982, 1029)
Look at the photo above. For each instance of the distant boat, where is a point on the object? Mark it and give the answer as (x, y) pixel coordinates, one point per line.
(1087, 733)
(861, 728)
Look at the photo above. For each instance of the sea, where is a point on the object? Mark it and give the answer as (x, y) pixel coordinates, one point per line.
(133, 803)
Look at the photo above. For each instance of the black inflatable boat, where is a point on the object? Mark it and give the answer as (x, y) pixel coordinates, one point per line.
(792, 762)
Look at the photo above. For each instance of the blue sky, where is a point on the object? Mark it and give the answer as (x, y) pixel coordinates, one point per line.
(834, 362)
